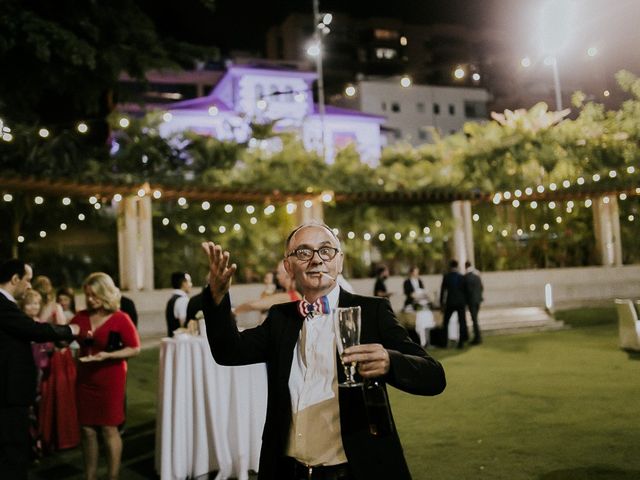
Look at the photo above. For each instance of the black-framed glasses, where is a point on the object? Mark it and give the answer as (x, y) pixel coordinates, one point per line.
(305, 254)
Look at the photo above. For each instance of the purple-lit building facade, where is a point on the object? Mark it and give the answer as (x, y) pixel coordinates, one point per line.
(250, 94)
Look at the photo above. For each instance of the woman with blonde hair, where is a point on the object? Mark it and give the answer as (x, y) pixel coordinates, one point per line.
(51, 311)
(57, 418)
(108, 337)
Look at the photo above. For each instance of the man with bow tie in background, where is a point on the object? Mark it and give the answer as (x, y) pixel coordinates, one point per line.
(314, 429)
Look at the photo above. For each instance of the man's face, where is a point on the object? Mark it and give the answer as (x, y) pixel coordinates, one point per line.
(308, 274)
(23, 283)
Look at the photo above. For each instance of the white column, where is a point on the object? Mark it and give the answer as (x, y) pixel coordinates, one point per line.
(135, 243)
(127, 241)
(462, 231)
(606, 225)
(145, 243)
(314, 212)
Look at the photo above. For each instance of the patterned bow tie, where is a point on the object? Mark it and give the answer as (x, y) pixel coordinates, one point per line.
(319, 307)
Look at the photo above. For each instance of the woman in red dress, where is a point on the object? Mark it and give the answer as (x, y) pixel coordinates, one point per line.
(108, 337)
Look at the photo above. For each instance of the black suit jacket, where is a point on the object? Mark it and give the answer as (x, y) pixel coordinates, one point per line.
(473, 288)
(452, 290)
(412, 370)
(17, 368)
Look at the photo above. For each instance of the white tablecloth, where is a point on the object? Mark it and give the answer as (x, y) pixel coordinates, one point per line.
(209, 417)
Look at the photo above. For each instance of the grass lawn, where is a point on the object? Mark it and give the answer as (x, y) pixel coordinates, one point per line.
(561, 405)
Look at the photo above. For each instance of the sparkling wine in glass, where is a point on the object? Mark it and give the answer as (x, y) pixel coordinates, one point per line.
(346, 323)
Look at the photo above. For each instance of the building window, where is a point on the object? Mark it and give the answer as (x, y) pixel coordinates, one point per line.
(384, 106)
(382, 34)
(395, 107)
(398, 134)
(452, 109)
(436, 109)
(422, 134)
(420, 107)
(386, 53)
(475, 109)
(259, 92)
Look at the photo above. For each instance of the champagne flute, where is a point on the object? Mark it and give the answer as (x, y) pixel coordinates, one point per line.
(346, 323)
(88, 342)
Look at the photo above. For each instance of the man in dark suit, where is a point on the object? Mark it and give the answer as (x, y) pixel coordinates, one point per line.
(452, 300)
(473, 290)
(314, 429)
(17, 368)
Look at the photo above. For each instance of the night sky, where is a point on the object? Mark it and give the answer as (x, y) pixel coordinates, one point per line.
(242, 24)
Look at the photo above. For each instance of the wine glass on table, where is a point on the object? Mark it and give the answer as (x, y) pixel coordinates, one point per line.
(346, 323)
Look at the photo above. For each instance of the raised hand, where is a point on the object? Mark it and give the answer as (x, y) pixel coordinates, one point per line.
(220, 272)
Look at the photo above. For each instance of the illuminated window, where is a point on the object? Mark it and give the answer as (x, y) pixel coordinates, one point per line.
(382, 34)
(395, 107)
(436, 109)
(452, 109)
(386, 53)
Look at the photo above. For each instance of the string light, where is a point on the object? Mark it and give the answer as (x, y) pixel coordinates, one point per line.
(528, 191)
(66, 201)
(38, 200)
(157, 194)
(92, 200)
(253, 220)
(269, 210)
(184, 226)
(596, 177)
(631, 169)
(534, 204)
(228, 208)
(351, 235)
(124, 122)
(489, 228)
(438, 223)
(335, 231)
(566, 183)
(552, 205)
(308, 203)
(165, 221)
(516, 203)
(382, 237)
(250, 209)
(63, 226)
(291, 208)
(182, 201)
(7, 197)
(613, 174)
(117, 197)
(236, 227)
(518, 193)
(476, 217)
(82, 127)
(397, 236)
(20, 239)
(81, 217)
(206, 205)
(623, 196)
(43, 234)
(367, 236)
(222, 229)
(202, 229)
(580, 181)
(540, 188)
(43, 132)
(426, 230)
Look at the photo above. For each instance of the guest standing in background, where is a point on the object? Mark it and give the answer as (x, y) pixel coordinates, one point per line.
(413, 287)
(128, 307)
(290, 294)
(17, 369)
(51, 311)
(57, 414)
(176, 309)
(452, 299)
(380, 287)
(473, 290)
(66, 299)
(108, 338)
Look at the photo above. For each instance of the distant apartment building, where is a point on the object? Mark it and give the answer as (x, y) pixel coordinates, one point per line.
(413, 113)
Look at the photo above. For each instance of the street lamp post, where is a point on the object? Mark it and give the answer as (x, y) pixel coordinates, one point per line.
(556, 84)
(318, 33)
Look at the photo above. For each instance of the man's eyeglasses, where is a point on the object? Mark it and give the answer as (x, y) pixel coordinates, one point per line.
(305, 254)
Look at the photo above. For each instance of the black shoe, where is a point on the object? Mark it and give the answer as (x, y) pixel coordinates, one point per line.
(460, 345)
(476, 341)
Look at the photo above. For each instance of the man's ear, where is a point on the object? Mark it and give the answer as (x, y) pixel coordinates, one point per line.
(287, 267)
(340, 262)
(15, 279)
